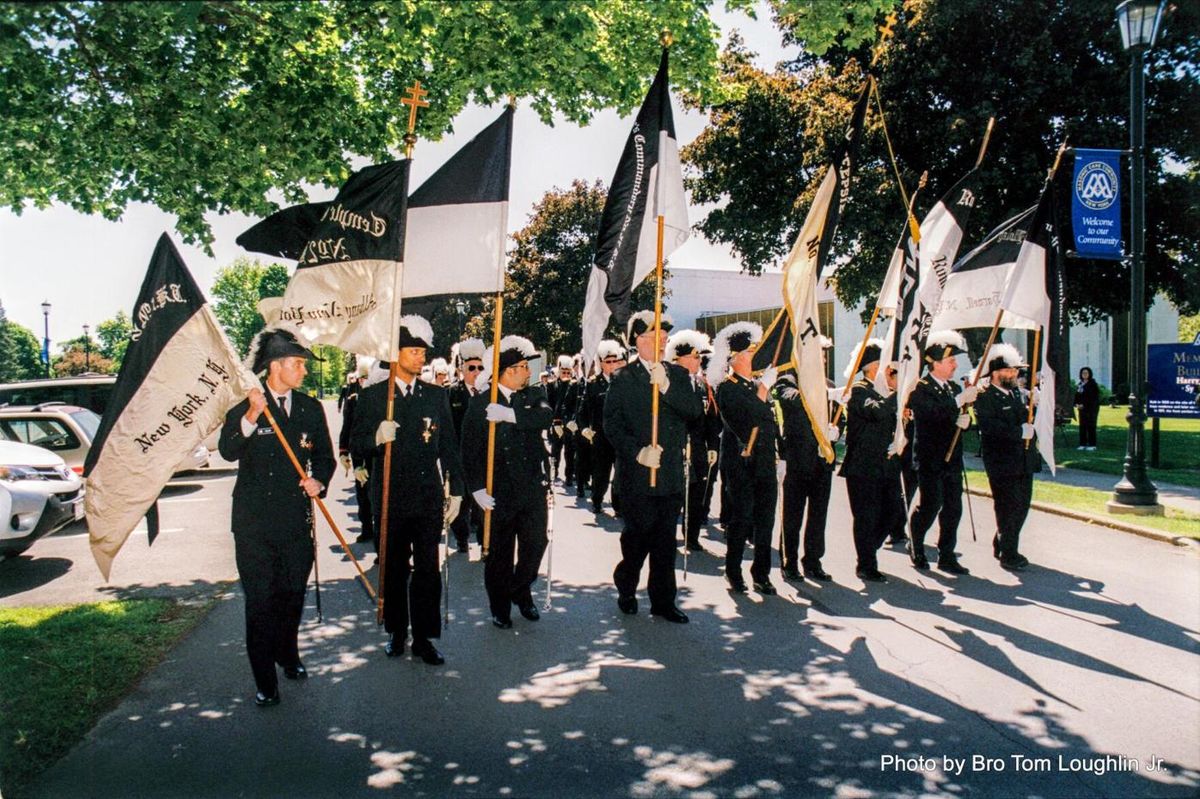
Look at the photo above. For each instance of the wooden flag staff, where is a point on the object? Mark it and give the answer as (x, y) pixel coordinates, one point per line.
(665, 38)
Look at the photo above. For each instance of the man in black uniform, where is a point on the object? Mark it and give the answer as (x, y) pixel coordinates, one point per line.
(750, 472)
(686, 348)
(576, 454)
(362, 493)
(1010, 453)
(272, 505)
(808, 481)
(871, 468)
(937, 404)
(590, 420)
(468, 356)
(425, 452)
(558, 435)
(520, 480)
(651, 512)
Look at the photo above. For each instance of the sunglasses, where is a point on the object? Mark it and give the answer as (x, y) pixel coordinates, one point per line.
(473, 368)
(612, 360)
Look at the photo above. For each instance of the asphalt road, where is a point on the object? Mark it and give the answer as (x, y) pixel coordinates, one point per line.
(1078, 677)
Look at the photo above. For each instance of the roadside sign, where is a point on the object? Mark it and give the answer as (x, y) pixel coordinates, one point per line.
(1173, 372)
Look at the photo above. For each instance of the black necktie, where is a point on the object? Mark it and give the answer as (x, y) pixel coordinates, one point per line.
(283, 406)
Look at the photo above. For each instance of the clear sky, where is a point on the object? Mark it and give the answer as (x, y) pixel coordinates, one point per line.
(89, 268)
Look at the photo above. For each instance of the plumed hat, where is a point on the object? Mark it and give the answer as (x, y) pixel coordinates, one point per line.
(642, 321)
(687, 342)
(439, 366)
(274, 343)
(566, 362)
(469, 349)
(1004, 356)
(609, 349)
(871, 353)
(944, 343)
(513, 350)
(415, 331)
(735, 338)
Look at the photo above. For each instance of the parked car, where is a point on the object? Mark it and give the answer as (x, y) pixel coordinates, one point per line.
(38, 495)
(68, 431)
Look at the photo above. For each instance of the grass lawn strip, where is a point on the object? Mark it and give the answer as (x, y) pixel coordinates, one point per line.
(63, 667)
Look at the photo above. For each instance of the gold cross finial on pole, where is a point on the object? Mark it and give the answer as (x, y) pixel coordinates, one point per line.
(414, 100)
(886, 32)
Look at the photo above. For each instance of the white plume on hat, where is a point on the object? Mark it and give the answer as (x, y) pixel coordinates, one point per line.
(439, 366)
(697, 341)
(850, 371)
(419, 327)
(377, 372)
(518, 343)
(470, 349)
(646, 318)
(718, 362)
(566, 362)
(608, 348)
(1006, 354)
(946, 338)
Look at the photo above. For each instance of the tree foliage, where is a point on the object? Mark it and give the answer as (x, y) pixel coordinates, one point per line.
(113, 335)
(548, 270)
(76, 359)
(237, 290)
(950, 66)
(20, 352)
(820, 25)
(197, 107)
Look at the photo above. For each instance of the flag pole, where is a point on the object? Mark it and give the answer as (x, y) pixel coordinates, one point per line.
(491, 449)
(1033, 367)
(665, 38)
(413, 101)
(978, 374)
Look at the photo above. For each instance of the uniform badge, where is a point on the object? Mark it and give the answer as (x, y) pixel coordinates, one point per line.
(305, 441)
(430, 429)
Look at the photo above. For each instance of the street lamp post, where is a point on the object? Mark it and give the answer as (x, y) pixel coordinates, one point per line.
(46, 337)
(87, 349)
(1139, 21)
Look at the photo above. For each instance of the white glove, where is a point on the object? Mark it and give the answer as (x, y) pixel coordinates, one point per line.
(346, 463)
(769, 377)
(588, 433)
(385, 433)
(453, 506)
(712, 457)
(483, 499)
(833, 433)
(838, 395)
(780, 470)
(558, 430)
(967, 395)
(964, 421)
(891, 451)
(1037, 396)
(361, 475)
(650, 457)
(574, 428)
(1027, 431)
(496, 412)
(658, 377)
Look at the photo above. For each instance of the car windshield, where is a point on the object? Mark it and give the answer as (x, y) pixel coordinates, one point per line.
(87, 420)
(41, 432)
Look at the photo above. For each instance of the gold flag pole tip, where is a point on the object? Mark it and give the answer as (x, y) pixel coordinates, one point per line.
(665, 37)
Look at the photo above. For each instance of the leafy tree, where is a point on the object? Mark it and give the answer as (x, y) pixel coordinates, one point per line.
(237, 290)
(1189, 328)
(198, 107)
(951, 65)
(20, 352)
(113, 335)
(76, 359)
(548, 271)
(822, 24)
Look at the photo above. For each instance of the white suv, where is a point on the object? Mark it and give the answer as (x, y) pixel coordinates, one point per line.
(38, 495)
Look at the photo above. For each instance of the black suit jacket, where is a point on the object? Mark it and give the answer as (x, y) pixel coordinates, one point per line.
(267, 499)
(627, 423)
(870, 428)
(426, 446)
(704, 433)
(935, 417)
(591, 404)
(460, 398)
(519, 476)
(799, 442)
(1000, 415)
(741, 412)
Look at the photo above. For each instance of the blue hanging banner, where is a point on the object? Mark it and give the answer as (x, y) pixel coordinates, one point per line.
(1096, 204)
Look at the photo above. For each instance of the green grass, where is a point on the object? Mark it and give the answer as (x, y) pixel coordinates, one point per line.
(1179, 448)
(62, 668)
(1092, 502)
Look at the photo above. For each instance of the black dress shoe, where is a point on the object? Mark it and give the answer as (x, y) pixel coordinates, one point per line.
(952, 566)
(672, 614)
(791, 573)
(764, 587)
(696, 548)
(817, 573)
(263, 700)
(427, 652)
(364, 538)
(394, 648)
(898, 540)
(1014, 562)
(297, 672)
(870, 575)
(736, 584)
(920, 562)
(529, 611)
(501, 624)
(627, 604)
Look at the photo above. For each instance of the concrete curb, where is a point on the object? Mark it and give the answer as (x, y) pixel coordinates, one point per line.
(1135, 529)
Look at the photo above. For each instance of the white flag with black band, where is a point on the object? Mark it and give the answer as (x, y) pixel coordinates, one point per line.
(179, 378)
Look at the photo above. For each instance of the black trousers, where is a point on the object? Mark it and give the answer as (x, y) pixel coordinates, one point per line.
(649, 532)
(464, 523)
(800, 490)
(274, 572)
(941, 499)
(876, 503)
(1087, 427)
(521, 531)
(1011, 495)
(569, 449)
(362, 496)
(751, 516)
(583, 464)
(412, 583)
(696, 515)
(556, 450)
(603, 459)
(712, 473)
